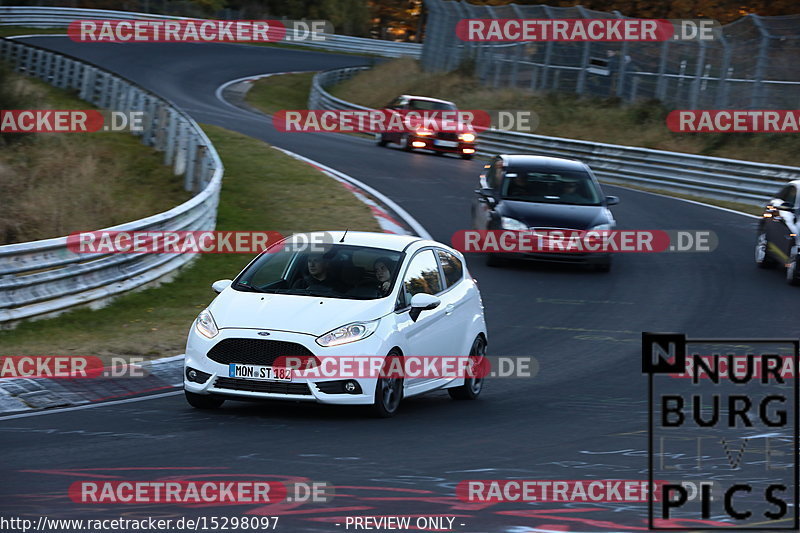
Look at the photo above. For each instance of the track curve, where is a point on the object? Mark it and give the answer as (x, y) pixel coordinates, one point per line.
(584, 328)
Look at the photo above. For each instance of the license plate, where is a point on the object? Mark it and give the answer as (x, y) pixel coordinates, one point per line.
(445, 144)
(265, 373)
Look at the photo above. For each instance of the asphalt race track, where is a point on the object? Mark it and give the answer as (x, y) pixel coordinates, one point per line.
(583, 416)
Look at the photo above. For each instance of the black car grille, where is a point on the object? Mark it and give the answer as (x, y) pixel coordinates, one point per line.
(255, 351)
(447, 135)
(275, 387)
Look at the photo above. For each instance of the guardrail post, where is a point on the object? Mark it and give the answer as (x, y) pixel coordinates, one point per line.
(171, 141)
(191, 160)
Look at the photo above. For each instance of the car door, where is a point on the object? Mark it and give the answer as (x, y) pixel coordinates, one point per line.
(425, 336)
(782, 224)
(398, 104)
(483, 209)
(457, 307)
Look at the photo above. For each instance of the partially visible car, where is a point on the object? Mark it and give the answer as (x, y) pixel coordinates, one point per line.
(542, 194)
(777, 240)
(281, 305)
(458, 138)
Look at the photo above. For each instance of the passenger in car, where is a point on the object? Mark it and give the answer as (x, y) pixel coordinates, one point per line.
(383, 273)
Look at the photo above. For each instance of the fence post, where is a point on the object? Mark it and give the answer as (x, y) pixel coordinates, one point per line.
(724, 75)
(623, 63)
(698, 75)
(761, 63)
(580, 86)
(548, 54)
(661, 84)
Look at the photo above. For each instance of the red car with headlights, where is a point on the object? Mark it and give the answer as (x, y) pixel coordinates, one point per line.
(449, 137)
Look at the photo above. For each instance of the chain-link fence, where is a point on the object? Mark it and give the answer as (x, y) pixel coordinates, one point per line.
(752, 65)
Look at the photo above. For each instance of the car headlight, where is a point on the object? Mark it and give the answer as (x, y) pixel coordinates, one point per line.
(424, 132)
(467, 137)
(205, 324)
(512, 224)
(349, 333)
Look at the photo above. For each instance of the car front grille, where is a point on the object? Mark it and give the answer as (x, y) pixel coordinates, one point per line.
(275, 387)
(255, 351)
(447, 135)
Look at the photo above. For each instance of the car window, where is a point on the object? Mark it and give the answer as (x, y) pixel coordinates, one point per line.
(451, 266)
(340, 271)
(422, 275)
(788, 194)
(427, 105)
(555, 187)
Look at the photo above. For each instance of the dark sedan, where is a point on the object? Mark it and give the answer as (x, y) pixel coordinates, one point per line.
(778, 229)
(543, 194)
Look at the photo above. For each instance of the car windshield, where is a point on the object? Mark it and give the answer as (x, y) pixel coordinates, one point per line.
(427, 105)
(559, 187)
(342, 271)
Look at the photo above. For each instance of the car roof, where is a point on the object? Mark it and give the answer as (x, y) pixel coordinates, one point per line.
(427, 98)
(387, 241)
(551, 163)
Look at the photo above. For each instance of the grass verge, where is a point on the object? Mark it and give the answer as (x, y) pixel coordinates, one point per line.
(286, 91)
(263, 189)
(566, 115)
(54, 184)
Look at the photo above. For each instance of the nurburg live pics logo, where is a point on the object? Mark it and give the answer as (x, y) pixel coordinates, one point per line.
(723, 414)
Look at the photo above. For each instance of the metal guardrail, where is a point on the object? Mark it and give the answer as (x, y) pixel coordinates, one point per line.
(43, 278)
(60, 17)
(700, 176)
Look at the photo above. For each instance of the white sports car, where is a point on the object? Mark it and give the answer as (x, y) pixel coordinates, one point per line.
(351, 294)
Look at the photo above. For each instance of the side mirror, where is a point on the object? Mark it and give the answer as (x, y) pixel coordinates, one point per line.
(487, 195)
(612, 200)
(422, 302)
(220, 285)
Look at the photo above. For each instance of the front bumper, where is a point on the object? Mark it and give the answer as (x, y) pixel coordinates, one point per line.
(432, 143)
(219, 383)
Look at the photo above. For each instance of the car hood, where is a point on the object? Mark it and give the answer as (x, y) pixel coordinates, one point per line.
(285, 312)
(543, 215)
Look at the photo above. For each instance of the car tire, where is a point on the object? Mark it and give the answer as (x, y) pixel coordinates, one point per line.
(494, 260)
(405, 142)
(379, 140)
(763, 259)
(388, 392)
(203, 401)
(472, 387)
(792, 267)
(466, 156)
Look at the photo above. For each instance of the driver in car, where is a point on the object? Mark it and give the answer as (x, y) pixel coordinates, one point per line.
(569, 193)
(319, 276)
